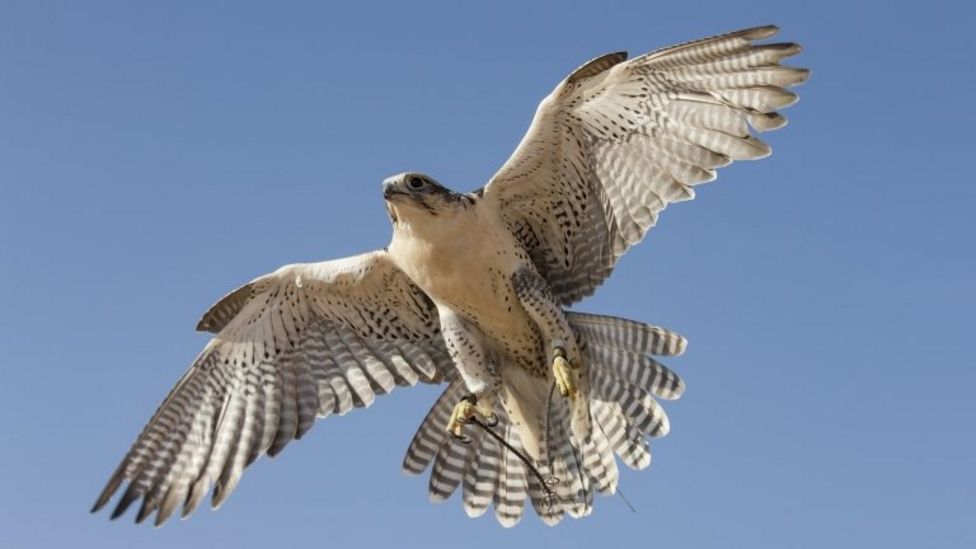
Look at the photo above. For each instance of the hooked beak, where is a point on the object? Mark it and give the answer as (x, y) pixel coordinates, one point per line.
(391, 190)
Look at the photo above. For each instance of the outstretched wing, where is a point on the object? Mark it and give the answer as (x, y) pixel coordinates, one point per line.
(307, 340)
(618, 141)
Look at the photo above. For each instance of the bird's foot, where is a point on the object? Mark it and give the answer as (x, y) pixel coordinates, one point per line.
(564, 371)
(464, 412)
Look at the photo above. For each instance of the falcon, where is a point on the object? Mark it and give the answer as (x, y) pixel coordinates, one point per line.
(472, 293)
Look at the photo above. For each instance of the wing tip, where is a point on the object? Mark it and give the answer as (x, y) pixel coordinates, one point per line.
(803, 75)
(144, 511)
(128, 498)
(786, 49)
(767, 122)
(758, 33)
(99, 503)
(111, 487)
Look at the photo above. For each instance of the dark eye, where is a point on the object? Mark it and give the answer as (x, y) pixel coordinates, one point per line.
(416, 183)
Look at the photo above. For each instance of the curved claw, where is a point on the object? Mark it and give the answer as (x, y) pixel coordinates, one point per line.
(463, 439)
(491, 420)
(464, 412)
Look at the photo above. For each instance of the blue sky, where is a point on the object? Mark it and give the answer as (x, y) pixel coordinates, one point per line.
(154, 156)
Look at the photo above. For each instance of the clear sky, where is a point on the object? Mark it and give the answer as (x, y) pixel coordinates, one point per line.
(154, 156)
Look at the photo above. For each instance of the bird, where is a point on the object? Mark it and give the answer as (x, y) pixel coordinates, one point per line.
(474, 293)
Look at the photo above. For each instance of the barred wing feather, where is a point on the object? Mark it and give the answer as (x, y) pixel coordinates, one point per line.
(618, 141)
(306, 341)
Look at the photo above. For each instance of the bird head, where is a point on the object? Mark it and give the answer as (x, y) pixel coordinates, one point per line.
(415, 198)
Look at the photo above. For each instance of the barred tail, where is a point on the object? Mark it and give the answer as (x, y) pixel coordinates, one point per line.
(625, 383)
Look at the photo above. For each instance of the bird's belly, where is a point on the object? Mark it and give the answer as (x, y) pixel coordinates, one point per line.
(479, 288)
(487, 298)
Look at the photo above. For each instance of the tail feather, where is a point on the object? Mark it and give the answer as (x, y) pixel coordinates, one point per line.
(489, 472)
(573, 483)
(448, 471)
(595, 467)
(481, 476)
(640, 411)
(547, 509)
(618, 400)
(430, 435)
(511, 489)
(605, 479)
(639, 370)
(620, 333)
(629, 445)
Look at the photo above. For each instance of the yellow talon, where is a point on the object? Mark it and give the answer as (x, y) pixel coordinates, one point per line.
(564, 375)
(463, 412)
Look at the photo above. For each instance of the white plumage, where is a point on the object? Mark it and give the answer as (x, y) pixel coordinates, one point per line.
(470, 293)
